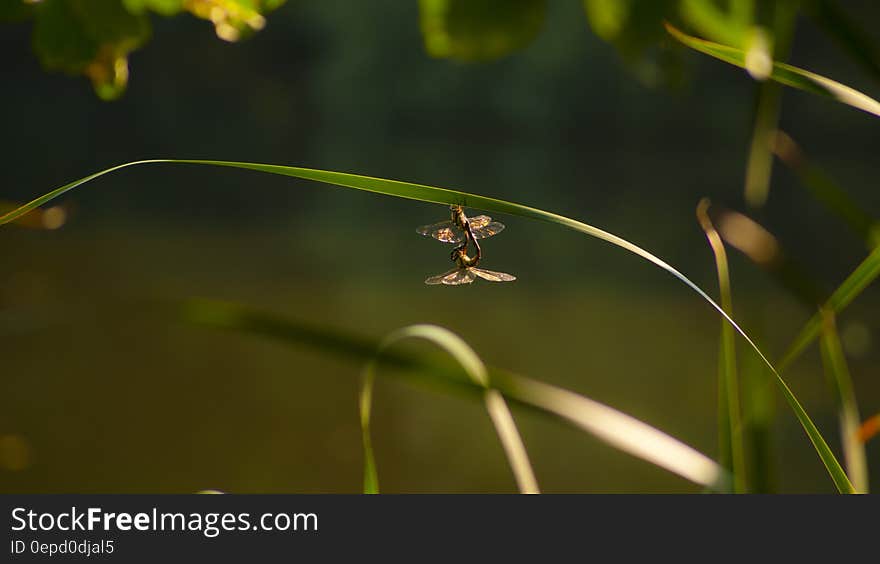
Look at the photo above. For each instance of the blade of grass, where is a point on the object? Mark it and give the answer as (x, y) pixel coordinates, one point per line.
(49, 218)
(611, 426)
(763, 249)
(476, 371)
(826, 190)
(729, 423)
(446, 196)
(365, 405)
(759, 413)
(848, 411)
(783, 73)
(622, 431)
(838, 475)
(860, 279)
(832, 353)
(759, 166)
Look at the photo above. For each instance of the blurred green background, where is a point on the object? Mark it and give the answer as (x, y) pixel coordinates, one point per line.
(104, 393)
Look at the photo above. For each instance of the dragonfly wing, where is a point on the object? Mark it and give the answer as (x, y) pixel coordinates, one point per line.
(493, 276)
(460, 276)
(487, 230)
(479, 221)
(439, 279)
(444, 231)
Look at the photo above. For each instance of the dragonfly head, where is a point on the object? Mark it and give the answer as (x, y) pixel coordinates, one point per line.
(457, 216)
(461, 258)
(458, 253)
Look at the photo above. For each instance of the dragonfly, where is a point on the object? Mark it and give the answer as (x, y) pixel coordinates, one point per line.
(454, 229)
(466, 271)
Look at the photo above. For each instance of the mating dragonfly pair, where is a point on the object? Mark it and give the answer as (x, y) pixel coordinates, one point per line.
(460, 229)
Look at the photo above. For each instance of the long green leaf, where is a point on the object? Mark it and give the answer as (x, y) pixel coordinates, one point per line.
(783, 73)
(49, 218)
(759, 165)
(730, 437)
(759, 415)
(476, 371)
(365, 405)
(847, 408)
(760, 162)
(611, 426)
(860, 279)
(446, 196)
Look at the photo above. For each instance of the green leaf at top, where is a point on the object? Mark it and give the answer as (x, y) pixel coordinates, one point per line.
(92, 38)
(635, 29)
(783, 73)
(479, 30)
(730, 26)
(15, 10)
(607, 17)
(632, 27)
(60, 40)
(163, 7)
(232, 19)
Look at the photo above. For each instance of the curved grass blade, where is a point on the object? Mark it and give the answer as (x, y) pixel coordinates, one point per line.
(622, 431)
(365, 405)
(848, 410)
(730, 427)
(425, 193)
(759, 416)
(783, 73)
(841, 480)
(476, 371)
(613, 427)
(50, 218)
(860, 279)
